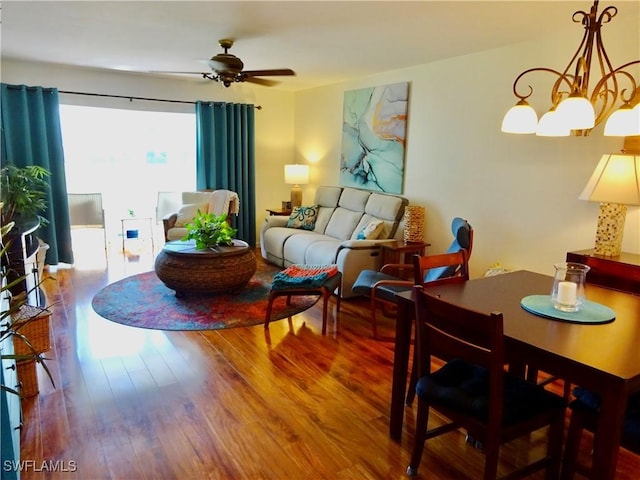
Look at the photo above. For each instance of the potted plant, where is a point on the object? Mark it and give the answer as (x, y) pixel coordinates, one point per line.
(23, 193)
(209, 230)
(23, 196)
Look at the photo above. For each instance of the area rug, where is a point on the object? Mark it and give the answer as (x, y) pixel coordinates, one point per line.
(144, 301)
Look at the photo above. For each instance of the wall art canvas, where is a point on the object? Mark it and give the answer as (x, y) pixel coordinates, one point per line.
(374, 131)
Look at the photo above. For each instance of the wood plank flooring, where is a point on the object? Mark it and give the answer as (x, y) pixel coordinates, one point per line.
(244, 403)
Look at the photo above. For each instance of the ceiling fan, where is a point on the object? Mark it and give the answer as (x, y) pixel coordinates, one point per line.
(227, 69)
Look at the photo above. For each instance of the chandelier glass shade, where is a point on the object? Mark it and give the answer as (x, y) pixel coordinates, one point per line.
(576, 108)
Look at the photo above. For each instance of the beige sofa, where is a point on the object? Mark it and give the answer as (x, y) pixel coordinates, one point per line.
(342, 215)
(215, 201)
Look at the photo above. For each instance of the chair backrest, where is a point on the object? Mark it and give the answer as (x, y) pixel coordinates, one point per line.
(457, 262)
(168, 202)
(462, 238)
(449, 331)
(85, 209)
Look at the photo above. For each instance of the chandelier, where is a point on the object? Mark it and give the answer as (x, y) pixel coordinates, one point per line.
(574, 107)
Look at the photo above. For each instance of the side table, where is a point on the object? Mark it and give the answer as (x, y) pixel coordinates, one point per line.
(401, 252)
(135, 223)
(278, 212)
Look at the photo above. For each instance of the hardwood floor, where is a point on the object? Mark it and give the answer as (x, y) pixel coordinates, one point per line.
(287, 403)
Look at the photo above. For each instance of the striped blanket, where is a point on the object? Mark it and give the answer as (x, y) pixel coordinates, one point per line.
(303, 276)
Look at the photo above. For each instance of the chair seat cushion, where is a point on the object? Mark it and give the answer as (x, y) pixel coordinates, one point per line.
(590, 401)
(368, 278)
(462, 386)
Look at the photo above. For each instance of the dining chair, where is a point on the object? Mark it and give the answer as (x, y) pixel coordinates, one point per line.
(472, 389)
(584, 414)
(458, 263)
(381, 286)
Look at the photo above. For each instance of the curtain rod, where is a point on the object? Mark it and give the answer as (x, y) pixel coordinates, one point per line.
(131, 99)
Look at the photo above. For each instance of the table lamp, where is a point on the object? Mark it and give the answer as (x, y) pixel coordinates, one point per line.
(615, 183)
(296, 175)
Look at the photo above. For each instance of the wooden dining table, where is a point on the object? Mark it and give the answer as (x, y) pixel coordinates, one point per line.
(604, 358)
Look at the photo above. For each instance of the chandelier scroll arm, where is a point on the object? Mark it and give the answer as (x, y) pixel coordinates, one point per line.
(602, 91)
(562, 77)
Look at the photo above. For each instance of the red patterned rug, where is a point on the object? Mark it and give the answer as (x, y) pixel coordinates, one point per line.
(144, 301)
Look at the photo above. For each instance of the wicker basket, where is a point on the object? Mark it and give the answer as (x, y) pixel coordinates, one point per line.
(36, 330)
(28, 378)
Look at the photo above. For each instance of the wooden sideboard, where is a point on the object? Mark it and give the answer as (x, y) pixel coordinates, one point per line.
(621, 273)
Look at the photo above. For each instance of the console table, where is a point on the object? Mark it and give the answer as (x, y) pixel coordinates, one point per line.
(620, 273)
(277, 212)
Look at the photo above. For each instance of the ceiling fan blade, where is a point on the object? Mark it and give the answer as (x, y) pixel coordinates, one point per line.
(260, 81)
(176, 72)
(269, 73)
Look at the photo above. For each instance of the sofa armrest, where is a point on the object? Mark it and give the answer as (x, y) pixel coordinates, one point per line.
(353, 256)
(365, 244)
(168, 222)
(275, 221)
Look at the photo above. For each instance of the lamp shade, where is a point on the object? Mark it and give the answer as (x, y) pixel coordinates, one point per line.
(576, 112)
(296, 174)
(624, 122)
(521, 118)
(616, 179)
(550, 125)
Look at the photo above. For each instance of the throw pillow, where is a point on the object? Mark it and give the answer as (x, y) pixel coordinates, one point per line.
(371, 231)
(303, 217)
(188, 212)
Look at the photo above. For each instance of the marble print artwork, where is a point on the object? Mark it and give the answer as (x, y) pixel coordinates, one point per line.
(373, 138)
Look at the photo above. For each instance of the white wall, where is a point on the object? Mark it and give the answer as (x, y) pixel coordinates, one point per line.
(274, 122)
(520, 193)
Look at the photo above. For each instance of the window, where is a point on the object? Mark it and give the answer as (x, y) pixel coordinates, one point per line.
(128, 156)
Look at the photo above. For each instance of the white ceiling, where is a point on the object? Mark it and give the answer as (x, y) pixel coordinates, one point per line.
(323, 41)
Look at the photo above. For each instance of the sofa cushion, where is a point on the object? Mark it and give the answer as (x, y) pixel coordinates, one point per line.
(303, 217)
(353, 199)
(296, 247)
(386, 207)
(328, 196)
(187, 212)
(323, 251)
(313, 248)
(327, 199)
(275, 238)
(342, 224)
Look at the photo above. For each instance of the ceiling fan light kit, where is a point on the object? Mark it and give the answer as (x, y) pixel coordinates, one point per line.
(228, 69)
(576, 109)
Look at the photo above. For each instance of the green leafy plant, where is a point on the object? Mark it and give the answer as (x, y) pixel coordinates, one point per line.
(209, 230)
(23, 193)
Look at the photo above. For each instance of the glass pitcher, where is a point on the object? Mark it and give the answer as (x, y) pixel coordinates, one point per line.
(567, 293)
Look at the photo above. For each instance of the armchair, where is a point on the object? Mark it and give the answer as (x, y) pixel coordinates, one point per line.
(217, 201)
(382, 286)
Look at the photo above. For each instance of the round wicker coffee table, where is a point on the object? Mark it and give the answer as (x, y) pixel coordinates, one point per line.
(214, 270)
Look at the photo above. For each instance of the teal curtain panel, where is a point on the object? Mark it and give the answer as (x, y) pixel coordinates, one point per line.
(31, 135)
(225, 157)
